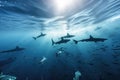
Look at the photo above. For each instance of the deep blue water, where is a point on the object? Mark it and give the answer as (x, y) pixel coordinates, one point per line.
(20, 20)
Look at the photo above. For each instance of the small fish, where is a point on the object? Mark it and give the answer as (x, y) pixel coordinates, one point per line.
(43, 59)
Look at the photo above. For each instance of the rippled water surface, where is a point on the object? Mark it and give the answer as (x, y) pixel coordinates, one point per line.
(21, 20)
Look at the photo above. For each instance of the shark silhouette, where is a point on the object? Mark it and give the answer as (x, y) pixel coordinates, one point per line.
(68, 36)
(60, 41)
(13, 50)
(91, 39)
(41, 35)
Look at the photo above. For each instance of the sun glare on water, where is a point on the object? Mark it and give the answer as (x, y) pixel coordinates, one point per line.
(63, 6)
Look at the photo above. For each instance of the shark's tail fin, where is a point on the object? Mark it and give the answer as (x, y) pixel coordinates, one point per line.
(53, 42)
(34, 38)
(75, 41)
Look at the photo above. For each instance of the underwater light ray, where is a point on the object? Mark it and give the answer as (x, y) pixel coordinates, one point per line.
(62, 4)
(63, 7)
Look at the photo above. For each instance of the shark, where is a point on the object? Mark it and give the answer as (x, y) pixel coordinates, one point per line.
(17, 48)
(90, 39)
(60, 41)
(41, 35)
(68, 36)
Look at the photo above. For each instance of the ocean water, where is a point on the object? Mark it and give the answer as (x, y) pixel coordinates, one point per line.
(21, 20)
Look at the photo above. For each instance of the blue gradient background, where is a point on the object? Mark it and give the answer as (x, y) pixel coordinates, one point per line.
(20, 20)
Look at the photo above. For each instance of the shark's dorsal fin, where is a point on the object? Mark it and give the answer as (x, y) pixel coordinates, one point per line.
(68, 34)
(91, 37)
(62, 38)
(17, 47)
(41, 33)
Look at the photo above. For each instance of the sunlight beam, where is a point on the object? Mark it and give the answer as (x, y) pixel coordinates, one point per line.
(62, 6)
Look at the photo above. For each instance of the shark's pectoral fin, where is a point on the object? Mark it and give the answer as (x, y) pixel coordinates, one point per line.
(91, 37)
